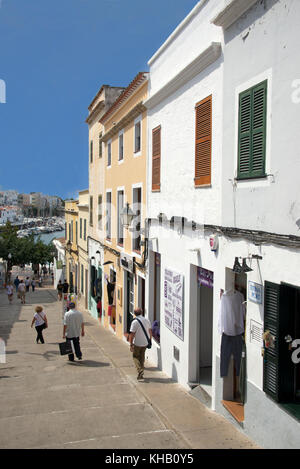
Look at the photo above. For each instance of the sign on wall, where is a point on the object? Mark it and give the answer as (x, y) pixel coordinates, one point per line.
(173, 301)
(205, 277)
(255, 292)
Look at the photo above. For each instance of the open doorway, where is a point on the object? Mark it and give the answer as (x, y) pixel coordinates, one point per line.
(205, 328)
(234, 387)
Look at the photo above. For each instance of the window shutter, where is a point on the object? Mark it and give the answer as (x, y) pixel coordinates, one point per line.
(156, 154)
(252, 132)
(271, 355)
(203, 142)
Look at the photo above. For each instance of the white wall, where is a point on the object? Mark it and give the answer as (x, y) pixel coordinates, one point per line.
(264, 44)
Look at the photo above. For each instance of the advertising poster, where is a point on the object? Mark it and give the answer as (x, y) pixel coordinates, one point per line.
(173, 302)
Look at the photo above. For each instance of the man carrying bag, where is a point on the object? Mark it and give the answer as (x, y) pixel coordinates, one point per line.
(140, 339)
(73, 326)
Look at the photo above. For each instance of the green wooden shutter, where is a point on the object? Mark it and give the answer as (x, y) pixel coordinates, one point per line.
(252, 132)
(271, 355)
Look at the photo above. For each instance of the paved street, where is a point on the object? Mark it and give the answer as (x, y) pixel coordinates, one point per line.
(47, 402)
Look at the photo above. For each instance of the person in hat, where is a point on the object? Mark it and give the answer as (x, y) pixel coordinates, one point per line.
(73, 326)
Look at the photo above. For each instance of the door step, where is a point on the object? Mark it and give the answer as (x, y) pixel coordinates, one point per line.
(199, 393)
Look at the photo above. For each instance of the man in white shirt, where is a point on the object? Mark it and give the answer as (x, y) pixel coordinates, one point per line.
(138, 340)
(73, 325)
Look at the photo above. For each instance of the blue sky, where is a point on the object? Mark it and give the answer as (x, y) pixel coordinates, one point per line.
(54, 57)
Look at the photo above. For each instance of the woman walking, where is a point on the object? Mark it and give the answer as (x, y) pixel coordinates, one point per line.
(41, 322)
(22, 291)
(33, 284)
(10, 292)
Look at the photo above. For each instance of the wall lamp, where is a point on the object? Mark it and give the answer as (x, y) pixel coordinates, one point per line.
(126, 216)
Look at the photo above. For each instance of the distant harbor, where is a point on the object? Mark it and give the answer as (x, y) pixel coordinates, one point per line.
(47, 229)
(48, 237)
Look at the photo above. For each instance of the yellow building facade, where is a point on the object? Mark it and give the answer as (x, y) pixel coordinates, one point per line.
(71, 269)
(82, 247)
(125, 139)
(95, 231)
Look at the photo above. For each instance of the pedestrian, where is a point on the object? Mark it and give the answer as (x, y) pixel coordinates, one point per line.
(27, 283)
(40, 281)
(99, 307)
(33, 284)
(73, 326)
(16, 282)
(138, 340)
(65, 286)
(10, 292)
(41, 323)
(22, 291)
(59, 290)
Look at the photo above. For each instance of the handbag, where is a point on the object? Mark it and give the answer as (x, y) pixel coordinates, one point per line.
(45, 325)
(66, 348)
(148, 338)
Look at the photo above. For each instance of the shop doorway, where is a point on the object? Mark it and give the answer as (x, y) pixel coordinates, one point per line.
(141, 294)
(234, 386)
(205, 336)
(129, 299)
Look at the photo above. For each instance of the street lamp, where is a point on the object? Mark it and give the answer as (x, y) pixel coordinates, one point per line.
(69, 246)
(126, 216)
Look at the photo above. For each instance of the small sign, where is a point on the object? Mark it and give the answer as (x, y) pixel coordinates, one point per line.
(255, 292)
(205, 277)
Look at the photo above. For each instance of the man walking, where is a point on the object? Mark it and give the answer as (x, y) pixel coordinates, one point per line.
(139, 341)
(73, 325)
(16, 282)
(65, 286)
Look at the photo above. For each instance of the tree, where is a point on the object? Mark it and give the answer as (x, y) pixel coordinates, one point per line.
(24, 250)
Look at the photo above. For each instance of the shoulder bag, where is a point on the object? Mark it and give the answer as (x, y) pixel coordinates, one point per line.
(144, 330)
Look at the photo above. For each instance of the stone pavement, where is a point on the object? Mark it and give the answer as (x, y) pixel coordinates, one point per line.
(48, 402)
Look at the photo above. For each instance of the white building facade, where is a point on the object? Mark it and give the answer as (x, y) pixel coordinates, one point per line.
(223, 165)
(185, 89)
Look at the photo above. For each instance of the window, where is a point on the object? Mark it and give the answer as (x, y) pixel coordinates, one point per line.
(100, 145)
(100, 212)
(136, 234)
(76, 233)
(252, 132)
(72, 231)
(156, 153)
(91, 210)
(121, 146)
(203, 142)
(108, 215)
(119, 221)
(91, 151)
(109, 153)
(84, 230)
(137, 136)
(80, 228)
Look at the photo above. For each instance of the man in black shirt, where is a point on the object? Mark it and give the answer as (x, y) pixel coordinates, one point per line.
(65, 286)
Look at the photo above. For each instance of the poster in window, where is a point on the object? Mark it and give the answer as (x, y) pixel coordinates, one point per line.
(173, 301)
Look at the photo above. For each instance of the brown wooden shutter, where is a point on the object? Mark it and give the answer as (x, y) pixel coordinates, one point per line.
(156, 151)
(203, 142)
